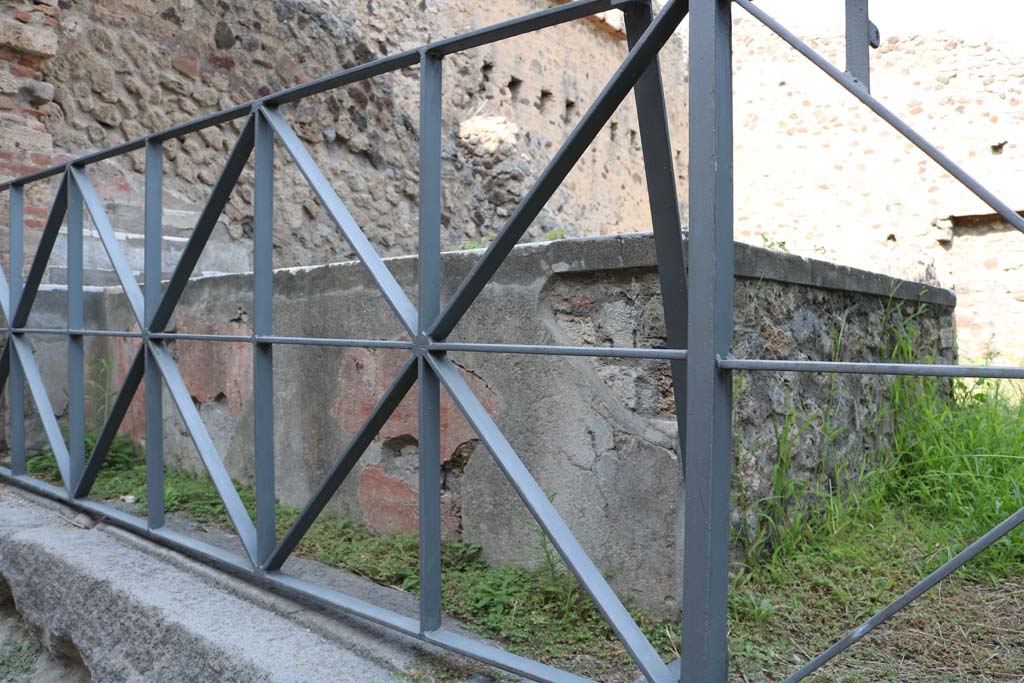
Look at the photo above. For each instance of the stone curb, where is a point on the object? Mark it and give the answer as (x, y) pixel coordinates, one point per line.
(136, 612)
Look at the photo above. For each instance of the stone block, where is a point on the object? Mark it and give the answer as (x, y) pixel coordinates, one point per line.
(24, 137)
(8, 84)
(28, 38)
(36, 92)
(186, 64)
(152, 616)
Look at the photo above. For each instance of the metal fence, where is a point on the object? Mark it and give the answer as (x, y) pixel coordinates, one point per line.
(697, 307)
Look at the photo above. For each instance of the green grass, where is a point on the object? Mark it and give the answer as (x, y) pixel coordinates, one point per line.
(124, 474)
(17, 661)
(960, 461)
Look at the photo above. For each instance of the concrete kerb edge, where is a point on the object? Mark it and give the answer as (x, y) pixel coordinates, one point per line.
(389, 650)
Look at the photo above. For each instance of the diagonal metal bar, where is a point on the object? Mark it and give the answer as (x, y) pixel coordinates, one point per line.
(205, 225)
(5, 295)
(366, 434)
(350, 230)
(537, 502)
(42, 257)
(112, 424)
(922, 587)
(207, 451)
(101, 221)
(42, 400)
(5, 364)
(854, 88)
(616, 90)
(666, 221)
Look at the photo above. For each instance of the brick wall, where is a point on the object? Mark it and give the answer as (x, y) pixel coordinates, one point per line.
(28, 39)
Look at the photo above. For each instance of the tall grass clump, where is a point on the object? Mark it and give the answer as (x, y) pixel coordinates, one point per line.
(958, 460)
(950, 469)
(956, 457)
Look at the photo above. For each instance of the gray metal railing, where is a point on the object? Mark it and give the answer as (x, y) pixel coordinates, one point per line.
(697, 308)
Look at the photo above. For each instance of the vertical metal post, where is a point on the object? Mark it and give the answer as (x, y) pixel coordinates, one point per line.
(858, 42)
(16, 380)
(429, 308)
(76, 343)
(661, 191)
(709, 420)
(263, 326)
(154, 382)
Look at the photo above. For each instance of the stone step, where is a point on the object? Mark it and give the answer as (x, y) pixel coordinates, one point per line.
(177, 222)
(222, 255)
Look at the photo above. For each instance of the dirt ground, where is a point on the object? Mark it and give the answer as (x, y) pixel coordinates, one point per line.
(958, 632)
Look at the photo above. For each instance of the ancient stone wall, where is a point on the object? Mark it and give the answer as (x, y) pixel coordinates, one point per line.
(87, 74)
(598, 434)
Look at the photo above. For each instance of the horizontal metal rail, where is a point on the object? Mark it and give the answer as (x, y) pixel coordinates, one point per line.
(895, 369)
(542, 350)
(525, 349)
(296, 587)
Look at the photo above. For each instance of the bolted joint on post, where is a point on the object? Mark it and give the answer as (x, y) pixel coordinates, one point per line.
(861, 36)
(633, 5)
(430, 53)
(422, 345)
(263, 105)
